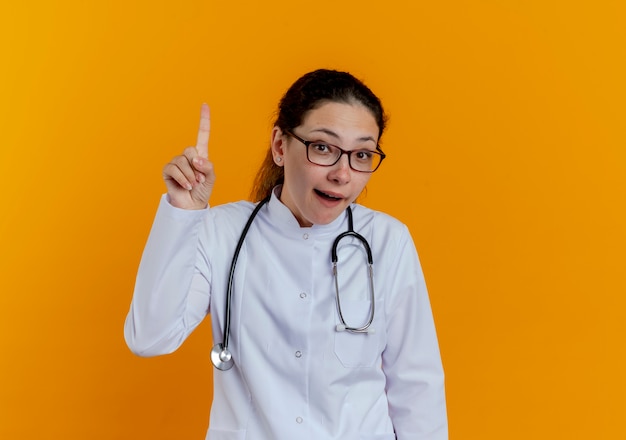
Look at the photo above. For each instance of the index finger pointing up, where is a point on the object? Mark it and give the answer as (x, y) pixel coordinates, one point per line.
(203, 132)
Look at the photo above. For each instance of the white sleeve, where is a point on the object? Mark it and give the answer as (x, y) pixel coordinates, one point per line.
(172, 289)
(411, 360)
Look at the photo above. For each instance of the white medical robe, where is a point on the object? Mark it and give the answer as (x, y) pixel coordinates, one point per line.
(295, 376)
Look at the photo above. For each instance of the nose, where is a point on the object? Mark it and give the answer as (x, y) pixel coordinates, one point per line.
(341, 171)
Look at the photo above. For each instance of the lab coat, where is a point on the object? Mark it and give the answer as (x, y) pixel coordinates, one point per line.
(295, 376)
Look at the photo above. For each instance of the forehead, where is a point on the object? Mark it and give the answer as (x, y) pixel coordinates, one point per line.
(344, 119)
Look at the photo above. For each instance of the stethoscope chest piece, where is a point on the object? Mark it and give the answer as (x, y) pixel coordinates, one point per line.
(221, 357)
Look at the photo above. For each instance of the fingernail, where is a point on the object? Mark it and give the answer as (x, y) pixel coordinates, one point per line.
(201, 178)
(188, 187)
(197, 161)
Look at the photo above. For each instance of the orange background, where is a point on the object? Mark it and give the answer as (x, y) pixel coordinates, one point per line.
(507, 159)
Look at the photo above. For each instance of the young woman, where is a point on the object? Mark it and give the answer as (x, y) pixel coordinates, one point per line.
(319, 309)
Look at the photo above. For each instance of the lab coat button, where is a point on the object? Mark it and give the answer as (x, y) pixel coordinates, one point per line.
(303, 295)
(299, 420)
(298, 354)
(305, 236)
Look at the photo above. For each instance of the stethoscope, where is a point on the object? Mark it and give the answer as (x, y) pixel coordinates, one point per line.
(222, 358)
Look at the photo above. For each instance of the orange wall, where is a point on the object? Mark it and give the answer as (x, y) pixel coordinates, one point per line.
(507, 159)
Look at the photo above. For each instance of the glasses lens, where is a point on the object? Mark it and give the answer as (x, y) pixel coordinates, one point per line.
(365, 160)
(360, 160)
(323, 154)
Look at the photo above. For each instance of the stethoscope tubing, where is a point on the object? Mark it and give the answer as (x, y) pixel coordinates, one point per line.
(231, 274)
(222, 358)
(370, 262)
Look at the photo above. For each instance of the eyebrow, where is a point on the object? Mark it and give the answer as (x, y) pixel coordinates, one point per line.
(336, 136)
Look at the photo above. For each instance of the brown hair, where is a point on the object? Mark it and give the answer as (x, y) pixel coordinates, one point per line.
(306, 94)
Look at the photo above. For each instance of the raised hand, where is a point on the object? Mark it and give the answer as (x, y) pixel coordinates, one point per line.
(190, 177)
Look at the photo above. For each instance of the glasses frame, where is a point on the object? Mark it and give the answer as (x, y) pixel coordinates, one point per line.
(342, 152)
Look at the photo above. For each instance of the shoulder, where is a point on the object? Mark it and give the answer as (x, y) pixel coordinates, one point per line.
(386, 234)
(232, 210)
(370, 218)
(229, 216)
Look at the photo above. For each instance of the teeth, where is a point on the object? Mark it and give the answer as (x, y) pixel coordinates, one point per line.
(327, 195)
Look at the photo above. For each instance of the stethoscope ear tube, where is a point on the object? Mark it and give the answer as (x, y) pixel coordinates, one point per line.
(350, 232)
(343, 327)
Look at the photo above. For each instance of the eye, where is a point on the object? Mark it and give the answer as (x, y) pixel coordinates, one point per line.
(321, 148)
(363, 155)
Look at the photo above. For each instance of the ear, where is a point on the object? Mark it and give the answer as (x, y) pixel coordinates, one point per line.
(278, 145)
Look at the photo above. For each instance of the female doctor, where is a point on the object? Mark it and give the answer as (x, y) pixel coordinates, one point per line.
(320, 313)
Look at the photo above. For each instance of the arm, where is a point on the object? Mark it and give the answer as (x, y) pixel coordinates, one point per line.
(411, 360)
(172, 288)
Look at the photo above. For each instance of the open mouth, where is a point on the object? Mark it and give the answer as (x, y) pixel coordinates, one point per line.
(327, 196)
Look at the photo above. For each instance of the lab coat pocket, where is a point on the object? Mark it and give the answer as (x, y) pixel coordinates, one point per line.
(357, 349)
(226, 434)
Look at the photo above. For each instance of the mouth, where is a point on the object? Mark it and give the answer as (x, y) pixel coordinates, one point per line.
(328, 196)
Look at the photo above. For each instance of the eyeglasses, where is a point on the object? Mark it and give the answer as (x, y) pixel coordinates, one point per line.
(326, 155)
